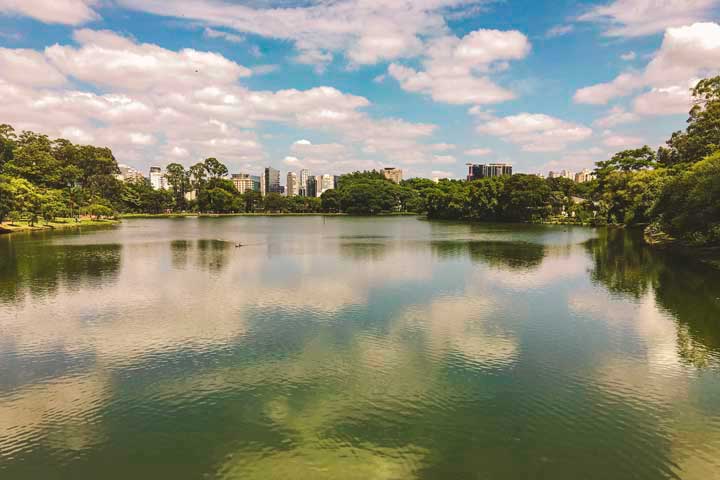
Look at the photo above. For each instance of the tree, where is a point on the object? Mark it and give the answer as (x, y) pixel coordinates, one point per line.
(97, 210)
(274, 202)
(689, 205)
(330, 201)
(214, 168)
(14, 195)
(627, 161)
(7, 144)
(179, 181)
(702, 136)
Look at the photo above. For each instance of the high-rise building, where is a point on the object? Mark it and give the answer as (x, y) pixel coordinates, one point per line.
(157, 178)
(393, 174)
(584, 176)
(293, 186)
(303, 186)
(243, 182)
(256, 182)
(312, 187)
(128, 174)
(272, 180)
(476, 172)
(327, 182)
(263, 185)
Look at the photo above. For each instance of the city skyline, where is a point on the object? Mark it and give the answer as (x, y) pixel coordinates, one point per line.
(425, 86)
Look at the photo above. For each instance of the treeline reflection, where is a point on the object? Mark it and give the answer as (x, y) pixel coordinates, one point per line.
(686, 288)
(41, 268)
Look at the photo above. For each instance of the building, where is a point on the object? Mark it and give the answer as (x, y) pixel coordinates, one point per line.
(312, 187)
(293, 185)
(303, 186)
(157, 178)
(325, 183)
(272, 181)
(584, 176)
(476, 172)
(128, 174)
(243, 182)
(393, 174)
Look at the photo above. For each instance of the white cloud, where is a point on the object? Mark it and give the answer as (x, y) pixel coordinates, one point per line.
(536, 132)
(230, 37)
(559, 31)
(633, 18)
(602, 93)
(440, 174)
(621, 141)
(442, 147)
(443, 160)
(686, 55)
(456, 68)
(367, 31)
(69, 12)
(264, 69)
(628, 56)
(28, 67)
(478, 152)
(159, 110)
(675, 100)
(110, 60)
(616, 116)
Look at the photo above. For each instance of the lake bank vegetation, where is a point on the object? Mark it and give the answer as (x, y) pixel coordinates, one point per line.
(673, 191)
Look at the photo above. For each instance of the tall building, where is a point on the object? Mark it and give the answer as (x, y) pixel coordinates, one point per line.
(303, 187)
(393, 174)
(293, 186)
(476, 172)
(128, 174)
(312, 187)
(243, 182)
(157, 178)
(263, 185)
(272, 180)
(584, 176)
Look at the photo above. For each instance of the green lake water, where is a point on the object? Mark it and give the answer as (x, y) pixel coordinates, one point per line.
(352, 348)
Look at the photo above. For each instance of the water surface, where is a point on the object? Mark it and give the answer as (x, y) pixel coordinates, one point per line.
(388, 348)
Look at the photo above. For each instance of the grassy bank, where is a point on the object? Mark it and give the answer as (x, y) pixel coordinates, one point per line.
(60, 223)
(261, 214)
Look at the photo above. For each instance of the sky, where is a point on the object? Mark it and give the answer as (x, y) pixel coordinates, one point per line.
(343, 85)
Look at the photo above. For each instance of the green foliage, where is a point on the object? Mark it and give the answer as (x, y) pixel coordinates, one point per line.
(702, 136)
(689, 205)
(97, 210)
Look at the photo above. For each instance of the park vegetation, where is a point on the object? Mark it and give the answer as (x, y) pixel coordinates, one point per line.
(674, 191)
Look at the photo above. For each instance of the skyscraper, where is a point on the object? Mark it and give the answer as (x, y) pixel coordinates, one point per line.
(243, 182)
(157, 178)
(476, 172)
(271, 182)
(292, 187)
(303, 187)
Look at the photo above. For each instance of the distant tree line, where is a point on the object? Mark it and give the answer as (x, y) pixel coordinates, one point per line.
(675, 190)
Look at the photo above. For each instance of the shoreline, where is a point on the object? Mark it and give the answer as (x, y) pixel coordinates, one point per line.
(130, 216)
(8, 228)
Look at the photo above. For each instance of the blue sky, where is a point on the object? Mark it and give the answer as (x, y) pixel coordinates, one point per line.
(340, 85)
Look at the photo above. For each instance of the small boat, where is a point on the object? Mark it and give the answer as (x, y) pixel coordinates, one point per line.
(238, 245)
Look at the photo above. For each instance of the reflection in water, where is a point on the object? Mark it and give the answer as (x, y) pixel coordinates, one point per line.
(39, 268)
(355, 348)
(689, 290)
(511, 254)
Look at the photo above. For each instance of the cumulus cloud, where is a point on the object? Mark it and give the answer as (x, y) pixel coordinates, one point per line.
(108, 59)
(687, 54)
(28, 67)
(536, 132)
(628, 56)
(69, 12)
(149, 103)
(621, 141)
(616, 116)
(634, 18)
(456, 69)
(365, 31)
(478, 152)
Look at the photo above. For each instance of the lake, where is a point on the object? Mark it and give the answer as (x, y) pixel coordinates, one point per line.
(355, 348)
